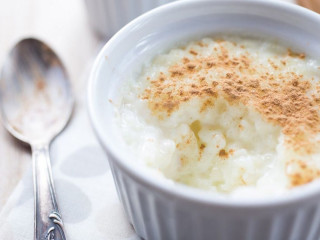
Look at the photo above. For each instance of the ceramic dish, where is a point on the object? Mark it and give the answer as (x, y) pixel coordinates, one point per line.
(108, 16)
(159, 210)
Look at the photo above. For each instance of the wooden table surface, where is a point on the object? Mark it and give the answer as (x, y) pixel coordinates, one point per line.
(64, 26)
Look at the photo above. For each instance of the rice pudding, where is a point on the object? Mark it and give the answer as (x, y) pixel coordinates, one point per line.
(234, 115)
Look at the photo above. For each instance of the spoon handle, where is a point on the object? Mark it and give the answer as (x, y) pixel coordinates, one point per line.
(48, 224)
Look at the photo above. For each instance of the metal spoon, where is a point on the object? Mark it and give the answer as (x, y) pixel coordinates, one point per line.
(36, 104)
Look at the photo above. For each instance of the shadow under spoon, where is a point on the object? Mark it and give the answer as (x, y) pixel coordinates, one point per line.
(36, 104)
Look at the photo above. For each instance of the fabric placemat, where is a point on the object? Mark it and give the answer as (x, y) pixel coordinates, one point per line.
(84, 185)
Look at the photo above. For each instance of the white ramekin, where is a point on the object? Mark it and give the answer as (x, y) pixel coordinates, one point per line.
(106, 17)
(157, 209)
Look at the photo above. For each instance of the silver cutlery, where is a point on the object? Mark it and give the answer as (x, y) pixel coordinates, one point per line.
(36, 103)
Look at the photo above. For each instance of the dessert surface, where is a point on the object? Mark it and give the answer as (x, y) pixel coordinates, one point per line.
(228, 114)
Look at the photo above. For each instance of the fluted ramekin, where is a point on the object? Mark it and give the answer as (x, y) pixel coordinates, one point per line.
(106, 17)
(157, 209)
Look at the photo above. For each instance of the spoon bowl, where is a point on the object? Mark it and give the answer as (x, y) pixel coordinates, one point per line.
(36, 99)
(36, 104)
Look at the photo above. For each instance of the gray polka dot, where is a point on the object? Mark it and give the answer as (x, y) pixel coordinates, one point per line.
(89, 161)
(74, 205)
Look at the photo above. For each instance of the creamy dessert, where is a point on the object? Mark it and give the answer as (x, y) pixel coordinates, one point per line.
(234, 115)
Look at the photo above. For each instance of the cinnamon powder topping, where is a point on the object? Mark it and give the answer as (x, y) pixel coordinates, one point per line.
(280, 95)
(301, 173)
(223, 153)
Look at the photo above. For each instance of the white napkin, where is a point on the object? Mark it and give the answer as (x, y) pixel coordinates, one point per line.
(85, 190)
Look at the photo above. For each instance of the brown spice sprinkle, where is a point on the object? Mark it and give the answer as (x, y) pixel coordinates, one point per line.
(193, 52)
(282, 97)
(223, 153)
(40, 84)
(302, 173)
(297, 55)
